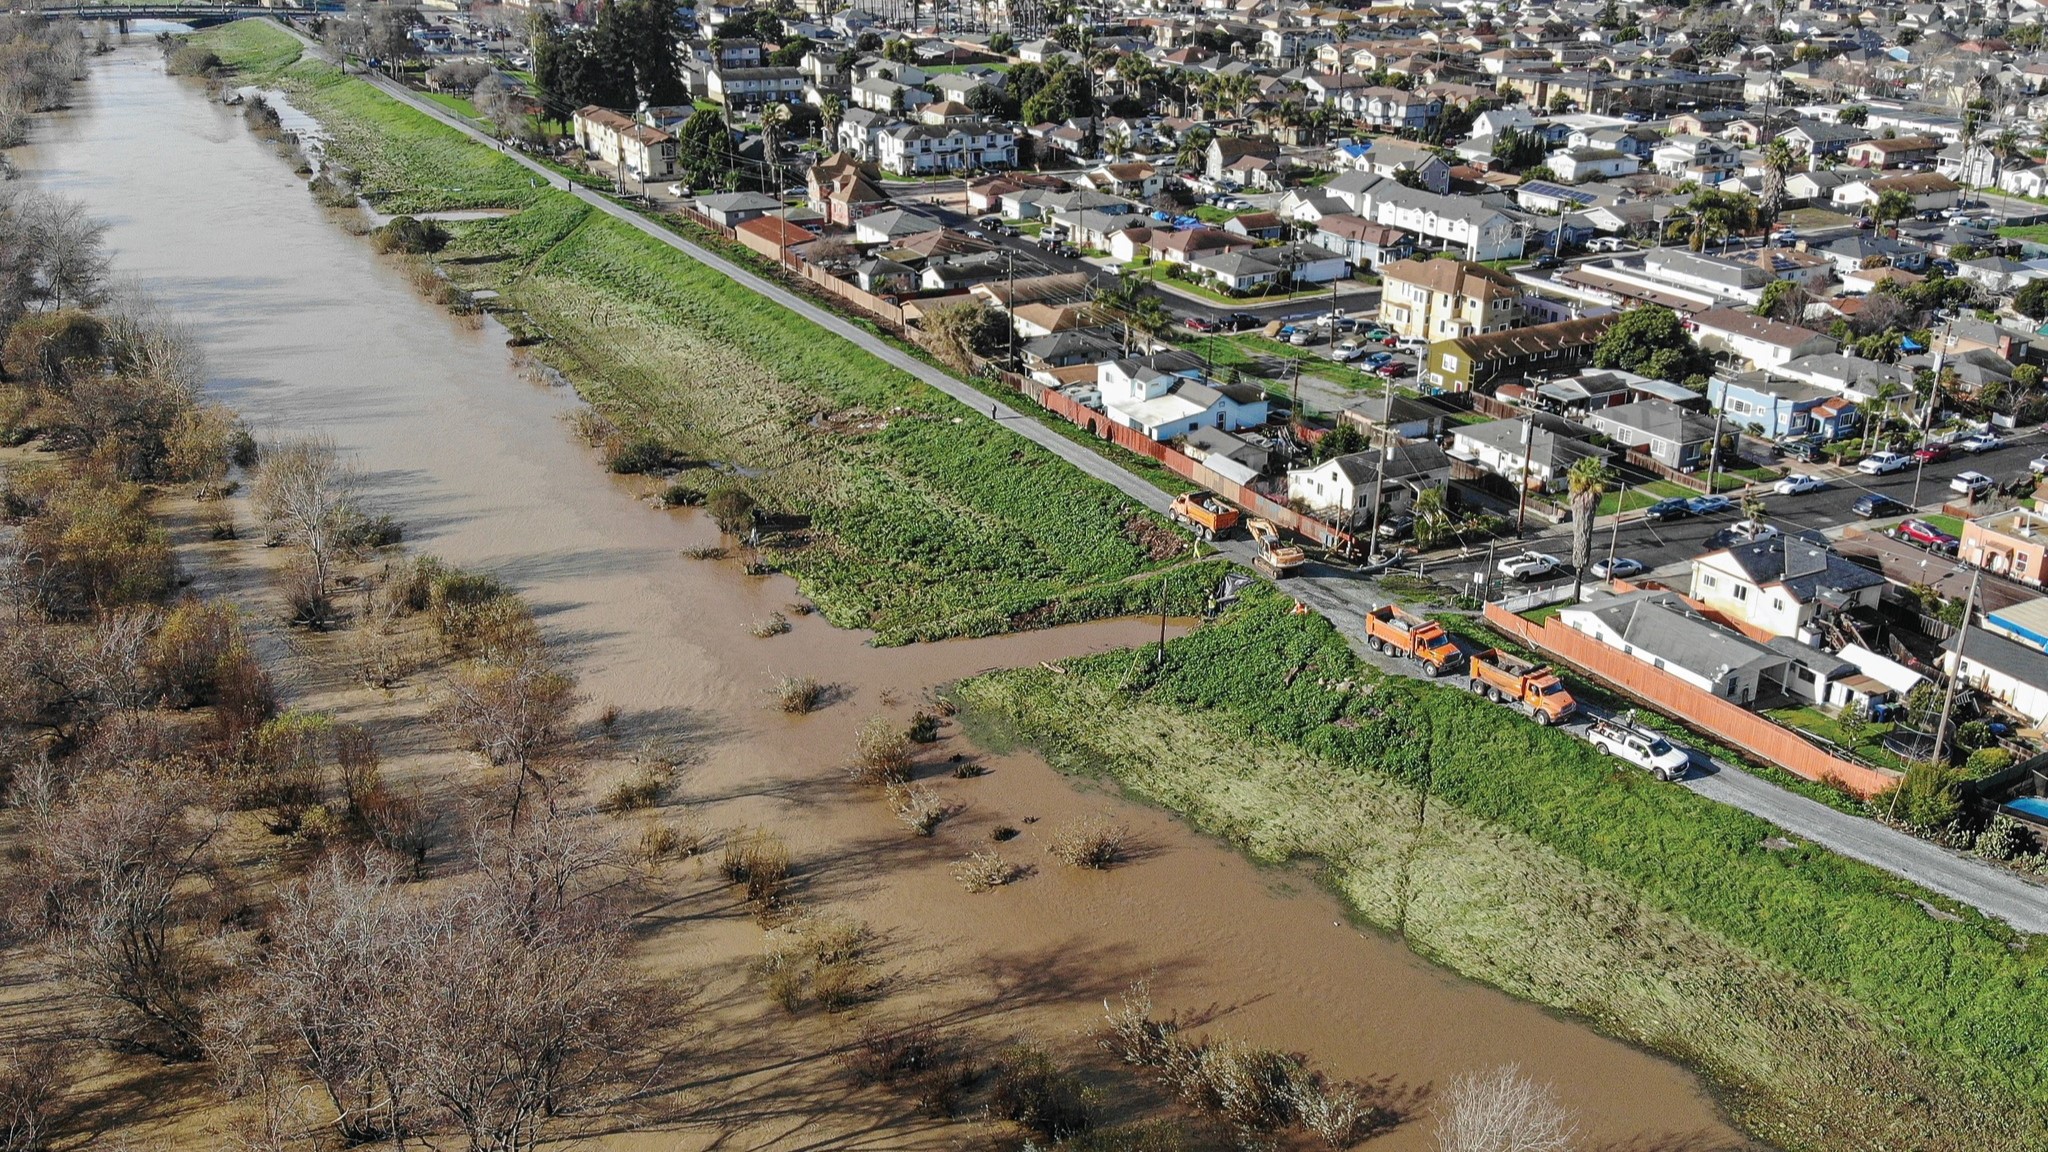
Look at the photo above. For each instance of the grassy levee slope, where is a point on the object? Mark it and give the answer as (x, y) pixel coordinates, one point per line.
(916, 520)
(1830, 1009)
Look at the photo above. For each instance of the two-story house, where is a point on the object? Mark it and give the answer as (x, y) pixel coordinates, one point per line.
(1782, 409)
(914, 149)
(639, 150)
(1435, 300)
(1778, 585)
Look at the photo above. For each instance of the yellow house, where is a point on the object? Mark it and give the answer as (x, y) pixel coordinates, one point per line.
(1432, 300)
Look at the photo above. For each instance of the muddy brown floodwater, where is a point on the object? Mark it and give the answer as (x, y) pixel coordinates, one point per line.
(306, 330)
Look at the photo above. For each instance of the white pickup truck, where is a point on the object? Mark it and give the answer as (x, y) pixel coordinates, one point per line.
(1641, 747)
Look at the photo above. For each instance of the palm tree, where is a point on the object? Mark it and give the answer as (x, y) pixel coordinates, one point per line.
(1431, 518)
(774, 115)
(1194, 148)
(1880, 402)
(1778, 163)
(832, 110)
(1588, 477)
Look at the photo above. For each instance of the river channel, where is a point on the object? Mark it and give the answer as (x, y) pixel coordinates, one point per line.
(305, 329)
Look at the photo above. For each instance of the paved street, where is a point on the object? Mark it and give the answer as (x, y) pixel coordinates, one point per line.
(1667, 547)
(1342, 598)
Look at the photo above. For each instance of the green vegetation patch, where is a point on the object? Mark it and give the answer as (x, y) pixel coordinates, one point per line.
(1822, 997)
(408, 161)
(922, 520)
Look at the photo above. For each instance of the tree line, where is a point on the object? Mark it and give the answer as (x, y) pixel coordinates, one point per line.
(39, 61)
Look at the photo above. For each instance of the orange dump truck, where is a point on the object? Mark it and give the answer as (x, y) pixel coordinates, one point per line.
(1393, 632)
(1209, 516)
(1535, 689)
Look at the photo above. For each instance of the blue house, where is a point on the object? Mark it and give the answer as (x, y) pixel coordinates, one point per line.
(1784, 409)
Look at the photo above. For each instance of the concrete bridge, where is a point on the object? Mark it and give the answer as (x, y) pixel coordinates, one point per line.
(196, 15)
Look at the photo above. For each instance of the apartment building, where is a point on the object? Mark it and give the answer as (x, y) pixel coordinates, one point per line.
(1434, 300)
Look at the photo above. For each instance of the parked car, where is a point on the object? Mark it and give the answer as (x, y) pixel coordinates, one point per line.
(1742, 532)
(1807, 451)
(2038, 465)
(1378, 358)
(1674, 508)
(1972, 484)
(1529, 566)
(1881, 463)
(1392, 370)
(1346, 352)
(1798, 483)
(1200, 324)
(1619, 568)
(1933, 452)
(1925, 535)
(1241, 321)
(1981, 442)
(1398, 525)
(1708, 505)
(1378, 334)
(1301, 337)
(1872, 505)
(1641, 747)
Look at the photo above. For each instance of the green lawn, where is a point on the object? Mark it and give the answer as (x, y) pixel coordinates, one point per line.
(456, 104)
(1158, 272)
(1953, 525)
(1868, 744)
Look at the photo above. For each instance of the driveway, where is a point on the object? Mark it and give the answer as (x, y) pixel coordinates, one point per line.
(1343, 598)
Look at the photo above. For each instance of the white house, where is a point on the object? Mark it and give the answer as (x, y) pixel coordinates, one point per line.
(1339, 490)
(1660, 629)
(1577, 165)
(1765, 344)
(2012, 673)
(1780, 584)
(912, 149)
(1164, 402)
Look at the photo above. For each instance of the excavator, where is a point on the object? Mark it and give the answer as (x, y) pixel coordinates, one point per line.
(1276, 560)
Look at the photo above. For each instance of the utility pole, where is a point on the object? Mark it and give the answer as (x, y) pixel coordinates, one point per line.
(1522, 497)
(1948, 698)
(1614, 539)
(1012, 313)
(1714, 447)
(1381, 459)
(1927, 413)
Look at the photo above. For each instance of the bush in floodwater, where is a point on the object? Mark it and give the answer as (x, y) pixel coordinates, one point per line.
(193, 60)
(1040, 1095)
(882, 753)
(758, 860)
(642, 454)
(331, 192)
(1097, 843)
(797, 695)
(410, 236)
(681, 495)
(732, 509)
(261, 118)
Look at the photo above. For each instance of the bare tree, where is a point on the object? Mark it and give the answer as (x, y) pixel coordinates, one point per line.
(105, 877)
(1502, 1111)
(305, 494)
(52, 255)
(498, 100)
(515, 709)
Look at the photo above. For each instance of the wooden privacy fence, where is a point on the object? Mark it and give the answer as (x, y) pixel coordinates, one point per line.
(1705, 711)
(1099, 424)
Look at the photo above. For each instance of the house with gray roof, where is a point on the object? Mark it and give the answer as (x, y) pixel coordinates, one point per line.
(1660, 629)
(1670, 435)
(1779, 585)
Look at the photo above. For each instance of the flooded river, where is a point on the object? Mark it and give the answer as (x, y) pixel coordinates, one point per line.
(306, 330)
